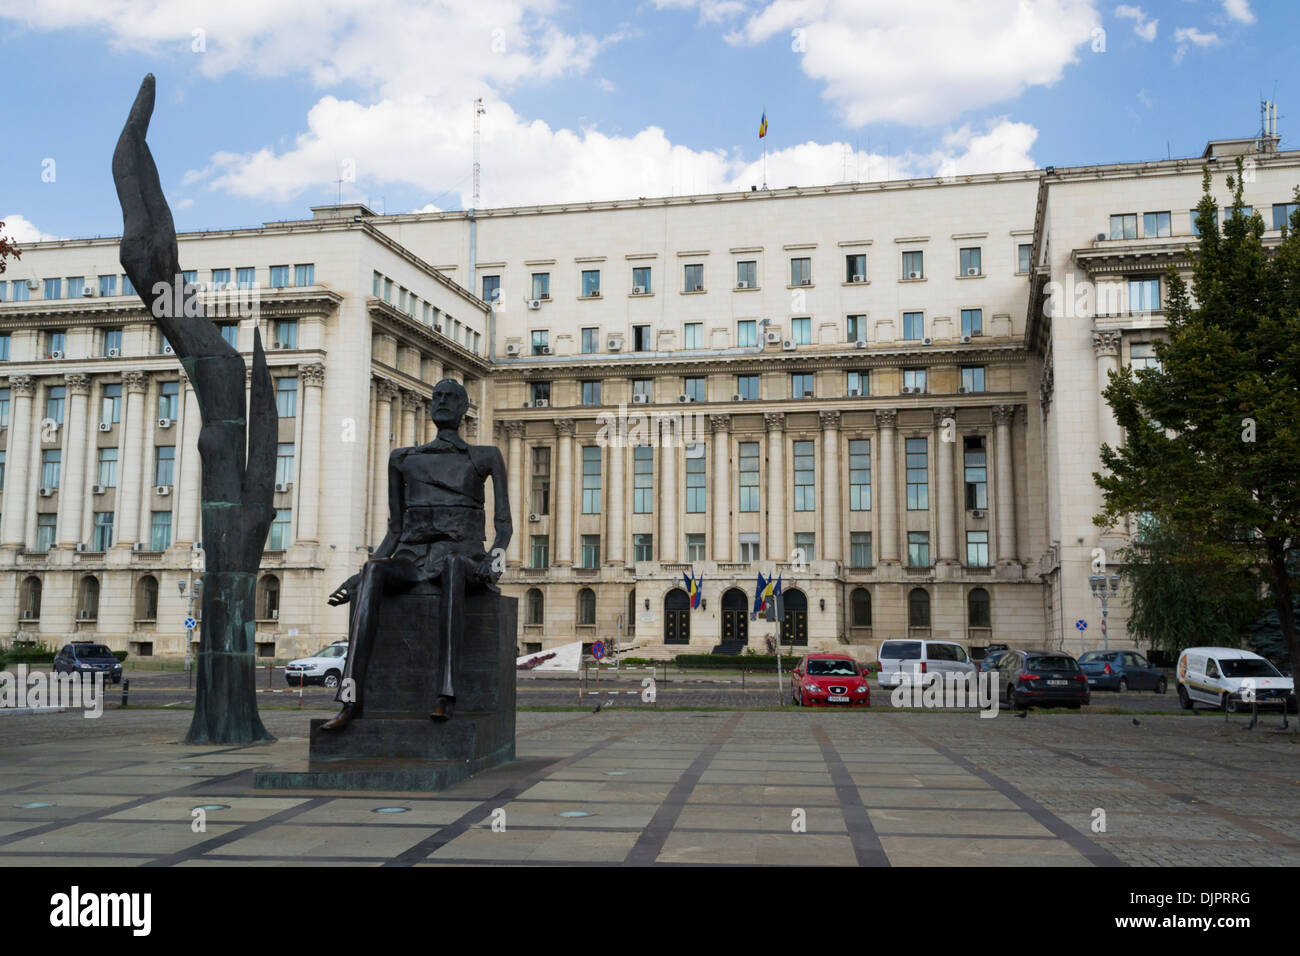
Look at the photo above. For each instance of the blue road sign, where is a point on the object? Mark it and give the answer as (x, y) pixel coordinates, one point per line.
(1081, 624)
(598, 650)
(190, 624)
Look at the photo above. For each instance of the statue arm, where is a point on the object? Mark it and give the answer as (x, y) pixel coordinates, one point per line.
(396, 504)
(501, 520)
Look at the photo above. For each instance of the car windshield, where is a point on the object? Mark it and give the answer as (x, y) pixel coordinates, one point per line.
(93, 650)
(900, 650)
(334, 650)
(1248, 667)
(1054, 663)
(831, 668)
(1092, 656)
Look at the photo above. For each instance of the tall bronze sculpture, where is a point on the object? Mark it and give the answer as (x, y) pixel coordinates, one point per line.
(436, 525)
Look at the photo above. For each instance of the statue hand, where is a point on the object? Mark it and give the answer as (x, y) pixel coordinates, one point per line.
(487, 570)
(343, 593)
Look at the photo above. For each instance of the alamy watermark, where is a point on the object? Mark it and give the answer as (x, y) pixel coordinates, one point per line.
(21, 688)
(947, 690)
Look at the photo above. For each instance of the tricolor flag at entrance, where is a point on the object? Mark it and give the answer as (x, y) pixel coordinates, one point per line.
(693, 589)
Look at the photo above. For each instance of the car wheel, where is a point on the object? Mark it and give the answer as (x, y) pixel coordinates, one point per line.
(1162, 685)
(1123, 685)
(331, 679)
(1184, 701)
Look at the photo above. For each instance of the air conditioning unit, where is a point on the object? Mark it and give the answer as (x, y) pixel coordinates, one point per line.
(543, 295)
(965, 340)
(807, 393)
(638, 290)
(81, 545)
(512, 348)
(105, 426)
(57, 354)
(961, 389)
(805, 281)
(533, 304)
(685, 398)
(788, 345)
(534, 517)
(33, 284)
(860, 344)
(742, 284)
(168, 350)
(546, 350)
(282, 486)
(859, 278)
(614, 343)
(114, 353)
(46, 492)
(88, 291)
(914, 275)
(976, 332)
(855, 393)
(972, 272)
(640, 398)
(27, 615)
(907, 390)
(737, 397)
(279, 345)
(1101, 237)
(164, 423)
(541, 403)
(275, 614)
(138, 546)
(162, 490)
(927, 341)
(698, 288)
(976, 513)
(772, 336)
(97, 489)
(83, 614)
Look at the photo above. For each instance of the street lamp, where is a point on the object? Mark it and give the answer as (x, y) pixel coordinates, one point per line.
(1098, 584)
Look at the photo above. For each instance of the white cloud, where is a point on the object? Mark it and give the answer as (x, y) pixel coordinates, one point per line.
(1144, 98)
(1143, 25)
(20, 230)
(1239, 10)
(1187, 37)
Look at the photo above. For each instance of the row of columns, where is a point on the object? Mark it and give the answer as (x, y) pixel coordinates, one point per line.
(893, 536)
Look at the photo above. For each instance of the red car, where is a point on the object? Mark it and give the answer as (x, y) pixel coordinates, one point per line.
(829, 680)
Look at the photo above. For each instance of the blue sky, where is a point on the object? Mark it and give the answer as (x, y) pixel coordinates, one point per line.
(264, 105)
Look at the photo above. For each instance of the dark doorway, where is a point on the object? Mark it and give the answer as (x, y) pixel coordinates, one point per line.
(677, 617)
(794, 626)
(735, 622)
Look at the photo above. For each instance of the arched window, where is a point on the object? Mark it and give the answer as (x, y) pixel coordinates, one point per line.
(146, 599)
(586, 606)
(88, 599)
(918, 608)
(32, 597)
(977, 608)
(861, 607)
(268, 598)
(534, 607)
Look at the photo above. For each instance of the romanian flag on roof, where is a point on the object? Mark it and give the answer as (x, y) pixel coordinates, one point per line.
(693, 590)
(762, 125)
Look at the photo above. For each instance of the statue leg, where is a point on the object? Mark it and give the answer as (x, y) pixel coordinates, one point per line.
(451, 628)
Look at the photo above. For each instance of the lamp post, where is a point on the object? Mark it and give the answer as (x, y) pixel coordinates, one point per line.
(1098, 583)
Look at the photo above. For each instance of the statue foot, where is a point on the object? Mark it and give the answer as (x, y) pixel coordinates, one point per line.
(343, 718)
(443, 708)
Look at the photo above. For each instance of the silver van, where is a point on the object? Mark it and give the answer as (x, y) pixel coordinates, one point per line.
(918, 656)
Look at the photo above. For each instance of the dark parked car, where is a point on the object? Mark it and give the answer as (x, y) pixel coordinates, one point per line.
(990, 661)
(87, 659)
(1027, 678)
(1121, 671)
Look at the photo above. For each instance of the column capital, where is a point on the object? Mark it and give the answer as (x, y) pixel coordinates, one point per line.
(774, 421)
(565, 426)
(886, 417)
(134, 381)
(411, 402)
(385, 390)
(78, 384)
(1004, 415)
(22, 385)
(829, 419)
(1105, 343)
(470, 425)
(719, 423)
(944, 411)
(513, 428)
(313, 375)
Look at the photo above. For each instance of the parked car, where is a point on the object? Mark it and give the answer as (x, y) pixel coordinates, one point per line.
(1029, 678)
(1121, 671)
(990, 661)
(324, 667)
(1218, 676)
(87, 658)
(915, 657)
(829, 679)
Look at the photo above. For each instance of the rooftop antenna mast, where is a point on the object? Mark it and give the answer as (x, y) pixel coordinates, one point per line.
(478, 111)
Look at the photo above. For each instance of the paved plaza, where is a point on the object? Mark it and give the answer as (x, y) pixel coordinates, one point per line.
(638, 787)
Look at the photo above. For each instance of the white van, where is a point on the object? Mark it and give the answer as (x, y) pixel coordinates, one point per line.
(919, 656)
(1227, 677)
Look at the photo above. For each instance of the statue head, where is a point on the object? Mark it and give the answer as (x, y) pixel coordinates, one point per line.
(450, 401)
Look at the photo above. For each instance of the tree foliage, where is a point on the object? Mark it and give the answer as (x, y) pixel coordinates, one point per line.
(8, 249)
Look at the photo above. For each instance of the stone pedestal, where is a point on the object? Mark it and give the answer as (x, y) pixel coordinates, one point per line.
(395, 745)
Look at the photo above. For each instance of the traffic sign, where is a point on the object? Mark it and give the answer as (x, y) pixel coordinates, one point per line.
(1081, 624)
(598, 650)
(190, 624)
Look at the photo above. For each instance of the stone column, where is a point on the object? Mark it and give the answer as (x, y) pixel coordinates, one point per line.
(615, 504)
(832, 547)
(14, 528)
(666, 502)
(720, 426)
(887, 499)
(947, 490)
(381, 445)
(776, 543)
(515, 478)
(410, 407)
(133, 462)
(1105, 345)
(1003, 415)
(564, 428)
(190, 495)
(309, 459)
(73, 480)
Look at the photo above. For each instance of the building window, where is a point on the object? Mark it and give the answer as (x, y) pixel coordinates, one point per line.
(643, 547)
(857, 328)
(694, 335)
(190, 278)
(747, 274)
(112, 343)
(540, 492)
(541, 391)
(54, 399)
(918, 608)
(284, 463)
(88, 599)
(1155, 224)
(4, 406)
(918, 549)
(160, 530)
(388, 290)
(970, 261)
(587, 607)
(591, 479)
(918, 480)
(914, 380)
(286, 397)
(972, 378)
(164, 462)
(54, 288)
(1024, 257)
(977, 549)
(749, 469)
(801, 331)
(21, 292)
(977, 605)
(110, 405)
(268, 598)
(860, 549)
(749, 546)
(693, 280)
(805, 542)
(801, 271)
(1143, 295)
(590, 341)
(696, 388)
(169, 400)
(534, 608)
(860, 474)
(108, 285)
(246, 278)
(913, 326)
(31, 597)
(747, 387)
(56, 342)
(103, 533)
(641, 281)
(972, 322)
(861, 603)
(640, 338)
(914, 265)
(591, 393)
(106, 468)
(805, 491)
(146, 599)
(644, 386)
(975, 463)
(801, 385)
(695, 476)
(855, 267)
(2, 469)
(858, 383)
(4, 343)
(591, 550)
(1143, 355)
(1282, 213)
(643, 480)
(590, 283)
(45, 531)
(540, 552)
(304, 274)
(541, 341)
(278, 539)
(1124, 226)
(746, 333)
(51, 460)
(541, 285)
(230, 333)
(286, 333)
(279, 277)
(695, 544)
(75, 286)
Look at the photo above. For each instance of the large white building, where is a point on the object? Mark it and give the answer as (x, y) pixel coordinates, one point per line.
(889, 393)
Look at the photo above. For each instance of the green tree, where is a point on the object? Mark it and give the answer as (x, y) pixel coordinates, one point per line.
(1213, 433)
